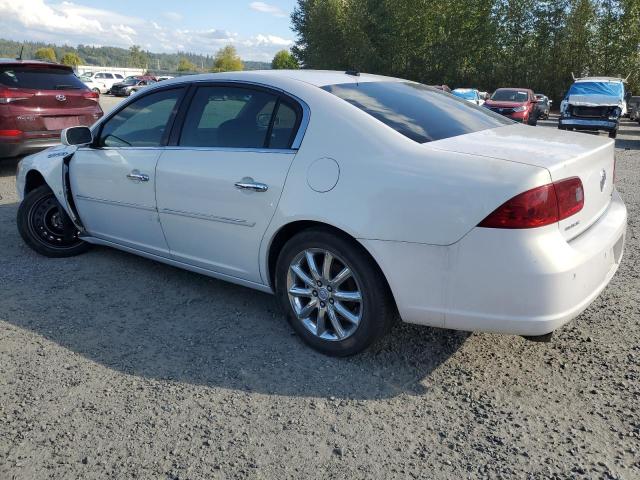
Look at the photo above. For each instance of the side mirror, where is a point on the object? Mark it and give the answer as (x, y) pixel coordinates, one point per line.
(76, 136)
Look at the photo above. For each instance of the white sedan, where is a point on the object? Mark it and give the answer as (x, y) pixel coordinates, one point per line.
(354, 198)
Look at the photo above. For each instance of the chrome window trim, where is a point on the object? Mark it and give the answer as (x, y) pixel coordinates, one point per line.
(280, 151)
(297, 141)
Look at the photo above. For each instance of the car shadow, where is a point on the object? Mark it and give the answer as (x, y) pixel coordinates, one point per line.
(8, 166)
(147, 319)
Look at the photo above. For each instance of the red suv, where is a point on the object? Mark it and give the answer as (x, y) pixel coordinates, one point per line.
(37, 101)
(519, 104)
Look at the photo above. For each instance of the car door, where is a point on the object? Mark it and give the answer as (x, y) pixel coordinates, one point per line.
(219, 185)
(113, 181)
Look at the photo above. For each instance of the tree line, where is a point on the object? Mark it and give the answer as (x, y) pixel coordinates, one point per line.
(134, 56)
(485, 44)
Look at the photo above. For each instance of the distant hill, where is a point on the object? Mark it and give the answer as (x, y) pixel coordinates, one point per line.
(119, 57)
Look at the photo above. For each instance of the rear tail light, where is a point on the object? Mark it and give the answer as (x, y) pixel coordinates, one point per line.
(8, 95)
(570, 195)
(539, 206)
(90, 95)
(10, 133)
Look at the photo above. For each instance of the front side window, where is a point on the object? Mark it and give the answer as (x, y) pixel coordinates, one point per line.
(421, 113)
(143, 123)
(235, 117)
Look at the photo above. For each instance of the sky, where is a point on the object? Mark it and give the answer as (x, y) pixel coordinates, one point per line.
(257, 29)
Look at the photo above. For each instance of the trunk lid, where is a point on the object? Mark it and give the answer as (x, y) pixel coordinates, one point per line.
(564, 154)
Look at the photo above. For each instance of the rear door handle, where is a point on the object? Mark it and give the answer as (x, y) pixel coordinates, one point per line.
(136, 176)
(253, 186)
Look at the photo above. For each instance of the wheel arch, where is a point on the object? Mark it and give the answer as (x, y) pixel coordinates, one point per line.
(33, 180)
(289, 230)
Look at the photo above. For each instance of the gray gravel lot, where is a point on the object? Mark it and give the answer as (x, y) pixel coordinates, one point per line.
(113, 366)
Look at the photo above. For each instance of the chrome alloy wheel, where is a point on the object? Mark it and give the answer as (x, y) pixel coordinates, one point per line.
(325, 294)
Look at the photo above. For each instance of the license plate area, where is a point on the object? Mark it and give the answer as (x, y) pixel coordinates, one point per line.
(60, 123)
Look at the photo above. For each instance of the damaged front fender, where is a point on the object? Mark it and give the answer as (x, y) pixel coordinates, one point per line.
(53, 165)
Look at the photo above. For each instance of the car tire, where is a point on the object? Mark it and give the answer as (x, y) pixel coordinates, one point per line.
(336, 314)
(613, 134)
(96, 90)
(46, 228)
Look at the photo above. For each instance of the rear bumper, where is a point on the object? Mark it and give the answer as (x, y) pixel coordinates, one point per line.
(588, 124)
(23, 146)
(522, 282)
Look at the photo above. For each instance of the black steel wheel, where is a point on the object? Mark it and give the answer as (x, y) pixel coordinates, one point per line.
(46, 227)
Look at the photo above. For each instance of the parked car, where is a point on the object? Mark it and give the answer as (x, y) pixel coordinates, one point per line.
(130, 86)
(464, 219)
(543, 106)
(633, 104)
(469, 94)
(444, 88)
(518, 104)
(101, 82)
(164, 77)
(37, 101)
(594, 103)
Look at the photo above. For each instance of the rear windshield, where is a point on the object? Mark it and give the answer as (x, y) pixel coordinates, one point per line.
(39, 78)
(421, 113)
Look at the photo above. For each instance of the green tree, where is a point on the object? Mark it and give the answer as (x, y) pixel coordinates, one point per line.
(72, 59)
(185, 65)
(283, 60)
(47, 54)
(227, 60)
(137, 57)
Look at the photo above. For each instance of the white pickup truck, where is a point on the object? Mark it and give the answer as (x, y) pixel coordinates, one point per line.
(101, 82)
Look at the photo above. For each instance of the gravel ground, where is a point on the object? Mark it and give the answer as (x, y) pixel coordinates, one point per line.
(113, 366)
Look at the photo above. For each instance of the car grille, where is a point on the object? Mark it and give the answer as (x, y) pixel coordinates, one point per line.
(590, 112)
(502, 111)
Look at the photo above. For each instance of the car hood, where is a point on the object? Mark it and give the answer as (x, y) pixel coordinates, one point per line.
(594, 101)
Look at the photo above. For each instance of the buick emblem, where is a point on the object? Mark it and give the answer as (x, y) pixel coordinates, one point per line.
(61, 98)
(603, 179)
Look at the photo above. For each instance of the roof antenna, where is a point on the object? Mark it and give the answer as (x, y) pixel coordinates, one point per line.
(19, 57)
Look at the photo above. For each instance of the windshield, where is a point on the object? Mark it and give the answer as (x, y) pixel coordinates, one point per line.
(608, 89)
(39, 78)
(510, 96)
(466, 94)
(421, 113)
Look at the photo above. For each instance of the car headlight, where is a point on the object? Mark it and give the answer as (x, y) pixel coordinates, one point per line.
(615, 113)
(523, 108)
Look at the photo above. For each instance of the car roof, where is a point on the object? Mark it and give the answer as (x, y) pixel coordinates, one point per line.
(515, 88)
(318, 78)
(600, 79)
(13, 61)
(465, 89)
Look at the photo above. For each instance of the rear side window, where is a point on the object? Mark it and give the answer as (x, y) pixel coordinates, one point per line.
(233, 117)
(421, 113)
(39, 78)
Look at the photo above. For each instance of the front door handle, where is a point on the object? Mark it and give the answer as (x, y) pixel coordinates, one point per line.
(136, 176)
(253, 186)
